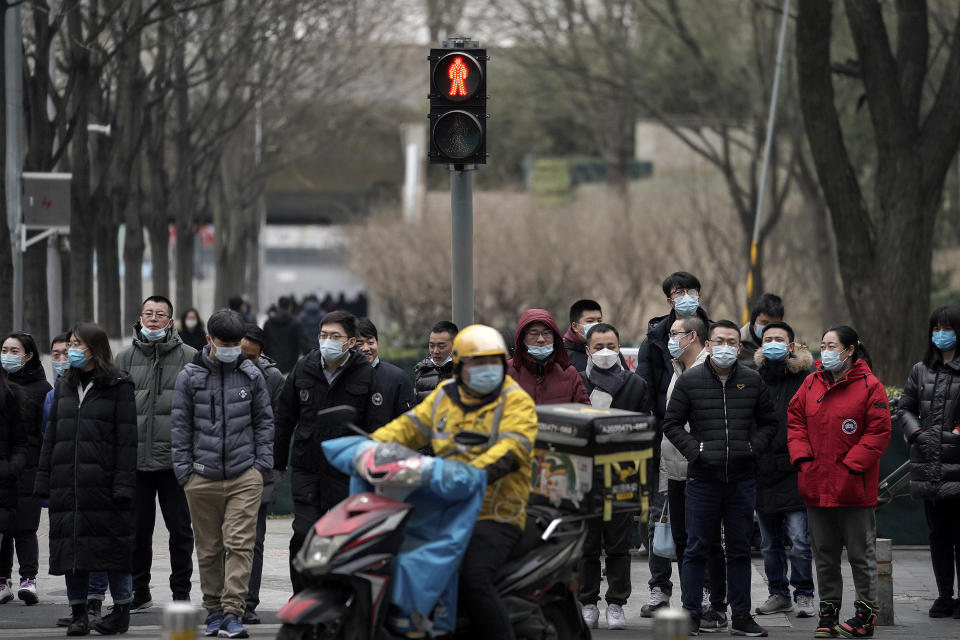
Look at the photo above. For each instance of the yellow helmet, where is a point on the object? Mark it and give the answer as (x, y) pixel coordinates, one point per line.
(478, 340)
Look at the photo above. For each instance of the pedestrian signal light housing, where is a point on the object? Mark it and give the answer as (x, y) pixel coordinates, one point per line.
(458, 105)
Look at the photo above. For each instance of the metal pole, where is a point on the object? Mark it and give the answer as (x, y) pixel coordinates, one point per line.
(461, 202)
(13, 86)
(884, 555)
(767, 145)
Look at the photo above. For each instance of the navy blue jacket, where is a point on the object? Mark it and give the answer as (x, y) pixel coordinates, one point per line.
(396, 388)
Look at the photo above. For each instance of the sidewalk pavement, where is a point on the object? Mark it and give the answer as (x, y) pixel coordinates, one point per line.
(913, 586)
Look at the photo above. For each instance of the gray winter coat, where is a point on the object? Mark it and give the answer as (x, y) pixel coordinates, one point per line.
(154, 366)
(673, 466)
(222, 419)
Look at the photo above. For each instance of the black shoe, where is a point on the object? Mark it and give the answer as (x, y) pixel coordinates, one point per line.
(65, 620)
(250, 617)
(861, 624)
(713, 621)
(956, 609)
(117, 621)
(694, 624)
(141, 601)
(93, 609)
(942, 607)
(79, 623)
(829, 617)
(745, 625)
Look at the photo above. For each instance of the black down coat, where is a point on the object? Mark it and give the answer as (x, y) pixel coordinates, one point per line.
(730, 425)
(13, 454)
(88, 469)
(34, 383)
(929, 411)
(776, 477)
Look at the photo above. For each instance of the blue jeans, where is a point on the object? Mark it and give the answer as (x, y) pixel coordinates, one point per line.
(777, 529)
(97, 587)
(708, 503)
(121, 586)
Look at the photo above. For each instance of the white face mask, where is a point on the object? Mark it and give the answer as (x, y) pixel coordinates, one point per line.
(605, 358)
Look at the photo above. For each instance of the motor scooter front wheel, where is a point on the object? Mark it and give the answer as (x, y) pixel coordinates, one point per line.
(307, 632)
(565, 622)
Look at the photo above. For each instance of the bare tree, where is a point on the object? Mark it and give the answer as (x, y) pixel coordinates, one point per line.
(887, 239)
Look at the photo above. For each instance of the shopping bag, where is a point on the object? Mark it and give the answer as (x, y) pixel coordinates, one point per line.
(663, 544)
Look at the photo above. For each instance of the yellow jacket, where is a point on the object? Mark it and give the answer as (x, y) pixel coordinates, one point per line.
(506, 458)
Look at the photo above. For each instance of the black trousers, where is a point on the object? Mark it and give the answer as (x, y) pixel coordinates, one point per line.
(943, 518)
(256, 569)
(614, 538)
(163, 486)
(660, 568)
(488, 550)
(24, 537)
(313, 495)
(716, 577)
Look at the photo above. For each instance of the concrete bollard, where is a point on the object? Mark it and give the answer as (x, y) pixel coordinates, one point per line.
(885, 581)
(180, 620)
(671, 623)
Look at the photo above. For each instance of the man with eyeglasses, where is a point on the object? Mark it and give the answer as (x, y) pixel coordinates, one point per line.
(540, 363)
(154, 360)
(732, 421)
(655, 364)
(335, 374)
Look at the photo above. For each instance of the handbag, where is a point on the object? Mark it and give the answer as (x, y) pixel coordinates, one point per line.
(663, 544)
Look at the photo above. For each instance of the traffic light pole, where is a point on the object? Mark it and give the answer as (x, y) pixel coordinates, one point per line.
(461, 203)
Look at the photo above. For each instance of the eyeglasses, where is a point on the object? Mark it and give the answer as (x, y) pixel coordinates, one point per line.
(534, 334)
(679, 293)
(732, 342)
(150, 315)
(679, 334)
(336, 337)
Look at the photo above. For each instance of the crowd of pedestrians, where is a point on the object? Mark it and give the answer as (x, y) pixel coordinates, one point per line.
(202, 418)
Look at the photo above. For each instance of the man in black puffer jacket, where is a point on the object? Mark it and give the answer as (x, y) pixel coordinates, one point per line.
(732, 421)
(334, 374)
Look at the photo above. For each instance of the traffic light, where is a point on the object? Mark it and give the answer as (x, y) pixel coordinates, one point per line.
(458, 105)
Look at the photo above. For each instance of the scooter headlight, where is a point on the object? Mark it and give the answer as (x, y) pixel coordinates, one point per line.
(321, 549)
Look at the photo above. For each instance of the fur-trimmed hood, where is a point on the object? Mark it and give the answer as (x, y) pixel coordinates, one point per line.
(800, 361)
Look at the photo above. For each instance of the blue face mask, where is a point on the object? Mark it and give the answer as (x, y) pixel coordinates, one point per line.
(723, 356)
(61, 367)
(541, 353)
(153, 335)
(331, 350)
(831, 360)
(11, 362)
(687, 305)
(673, 344)
(77, 358)
(758, 330)
(484, 378)
(587, 327)
(449, 358)
(775, 351)
(227, 354)
(943, 340)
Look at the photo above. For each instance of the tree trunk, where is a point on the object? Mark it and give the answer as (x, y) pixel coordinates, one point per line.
(36, 318)
(885, 252)
(108, 272)
(133, 250)
(186, 243)
(159, 232)
(6, 262)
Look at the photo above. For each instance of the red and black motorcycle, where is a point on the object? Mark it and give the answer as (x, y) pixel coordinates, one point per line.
(347, 564)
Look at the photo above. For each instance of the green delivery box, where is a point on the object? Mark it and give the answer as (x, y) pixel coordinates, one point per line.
(592, 460)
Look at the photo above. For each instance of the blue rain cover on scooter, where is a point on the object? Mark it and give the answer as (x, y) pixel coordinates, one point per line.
(435, 539)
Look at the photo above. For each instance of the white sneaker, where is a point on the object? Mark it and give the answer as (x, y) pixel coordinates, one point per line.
(705, 603)
(805, 607)
(615, 617)
(658, 600)
(28, 591)
(6, 591)
(591, 615)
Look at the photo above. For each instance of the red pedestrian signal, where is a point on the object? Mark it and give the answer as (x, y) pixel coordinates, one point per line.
(458, 104)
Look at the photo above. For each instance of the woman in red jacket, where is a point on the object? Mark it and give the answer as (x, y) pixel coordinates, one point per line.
(540, 363)
(839, 426)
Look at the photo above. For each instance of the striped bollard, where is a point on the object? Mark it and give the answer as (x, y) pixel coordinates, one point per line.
(671, 623)
(885, 582)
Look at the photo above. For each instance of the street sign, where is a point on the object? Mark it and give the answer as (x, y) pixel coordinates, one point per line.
(46, 199)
